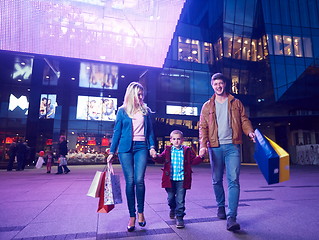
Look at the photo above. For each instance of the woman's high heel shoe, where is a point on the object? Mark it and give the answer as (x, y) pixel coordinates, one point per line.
(131, 228)
(142, 223)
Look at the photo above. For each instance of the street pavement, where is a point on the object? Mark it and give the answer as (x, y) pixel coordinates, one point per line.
(36, 205)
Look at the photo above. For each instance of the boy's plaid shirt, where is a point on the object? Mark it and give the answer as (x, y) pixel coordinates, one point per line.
(177, 167)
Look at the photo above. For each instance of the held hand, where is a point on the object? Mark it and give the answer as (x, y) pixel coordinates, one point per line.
(153, 153)
(252, 136)
(202, 152)
(110, 158)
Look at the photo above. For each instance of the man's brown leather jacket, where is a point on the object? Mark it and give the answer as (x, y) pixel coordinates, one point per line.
(208, 129)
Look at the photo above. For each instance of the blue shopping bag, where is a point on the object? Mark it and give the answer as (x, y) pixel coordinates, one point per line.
(272, 160)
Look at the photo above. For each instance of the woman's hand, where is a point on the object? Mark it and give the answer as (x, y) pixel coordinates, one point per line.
(110, 158)
(153, 153)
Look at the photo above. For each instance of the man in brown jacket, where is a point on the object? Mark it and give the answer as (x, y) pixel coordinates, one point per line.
(222, 122)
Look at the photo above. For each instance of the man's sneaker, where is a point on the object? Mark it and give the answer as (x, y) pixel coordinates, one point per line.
(180, 222)
(221, 213)
(232, 225)
(172, 214)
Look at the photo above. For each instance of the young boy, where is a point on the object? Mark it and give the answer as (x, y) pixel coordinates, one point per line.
(177, 174)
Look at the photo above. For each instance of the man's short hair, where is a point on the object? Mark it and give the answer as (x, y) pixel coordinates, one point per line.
(219, 76)
(177, 132)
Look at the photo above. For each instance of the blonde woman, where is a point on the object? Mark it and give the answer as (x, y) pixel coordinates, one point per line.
(133, 138)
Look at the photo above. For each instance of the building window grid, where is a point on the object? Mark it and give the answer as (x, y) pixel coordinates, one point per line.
(188, 50)
(292, 46)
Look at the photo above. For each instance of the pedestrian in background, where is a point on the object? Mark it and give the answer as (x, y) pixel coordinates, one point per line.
(63, 151)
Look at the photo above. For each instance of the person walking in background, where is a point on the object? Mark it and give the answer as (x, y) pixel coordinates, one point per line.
(222, 122)
(49, 160)
(12, 154)
(133, 137)
(177, 174)
(63, 151)
(21, 155)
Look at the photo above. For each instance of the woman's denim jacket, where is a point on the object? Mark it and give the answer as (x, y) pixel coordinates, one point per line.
(123, 132)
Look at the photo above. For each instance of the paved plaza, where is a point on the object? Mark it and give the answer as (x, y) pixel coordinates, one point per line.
(37, 205)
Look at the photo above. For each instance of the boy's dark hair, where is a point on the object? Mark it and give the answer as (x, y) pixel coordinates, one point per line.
(177, 132)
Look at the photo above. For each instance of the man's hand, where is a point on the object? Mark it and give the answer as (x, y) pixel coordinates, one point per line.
(252, 136)
(202, 152)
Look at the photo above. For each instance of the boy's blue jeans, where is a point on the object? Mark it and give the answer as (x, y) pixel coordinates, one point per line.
(226, 155)
(176, 198)
(134, 166)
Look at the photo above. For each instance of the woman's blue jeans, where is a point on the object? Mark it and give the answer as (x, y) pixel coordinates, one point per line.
(226, 155)
(134, 166)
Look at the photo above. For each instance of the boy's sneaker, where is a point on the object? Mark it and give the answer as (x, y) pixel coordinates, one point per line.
(221, 213)
(172, 214)
(232, 225)
(180, 222)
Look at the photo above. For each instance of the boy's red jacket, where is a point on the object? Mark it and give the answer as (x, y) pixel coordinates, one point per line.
(190, 159)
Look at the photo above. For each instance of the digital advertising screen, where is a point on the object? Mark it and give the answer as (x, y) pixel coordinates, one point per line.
(51, 72)
(18, 106)
(48, 106)
(22, 69)
(181, 110)
(98, 75)
(137, 32)
(96, 108)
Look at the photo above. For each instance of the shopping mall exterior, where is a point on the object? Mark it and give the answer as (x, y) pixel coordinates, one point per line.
(65, 65)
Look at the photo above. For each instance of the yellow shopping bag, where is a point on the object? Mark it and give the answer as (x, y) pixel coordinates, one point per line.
(284, 163)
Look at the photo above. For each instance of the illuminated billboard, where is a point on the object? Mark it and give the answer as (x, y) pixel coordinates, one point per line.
(48, 105)
(135, 32)
(181, 110)
(19, 105)
(98, 75)
(96, 108)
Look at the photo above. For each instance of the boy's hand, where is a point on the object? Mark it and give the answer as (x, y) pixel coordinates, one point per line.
(202, 152)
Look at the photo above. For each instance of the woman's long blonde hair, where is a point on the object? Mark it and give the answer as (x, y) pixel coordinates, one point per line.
(129, 103)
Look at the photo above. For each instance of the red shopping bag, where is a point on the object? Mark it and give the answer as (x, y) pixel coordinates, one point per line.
(110, 190)
(104, 208)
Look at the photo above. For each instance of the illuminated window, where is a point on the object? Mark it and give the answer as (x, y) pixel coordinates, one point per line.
(265, 46)
(235, 84)
(307, 47)
(270, 44)
(287, 45)
(254, 50)
(237, 43)
(218, 49)
(228, 40)
(188, 49)
(208, 53)
(297, 46)
(246, 49)
(278, 45)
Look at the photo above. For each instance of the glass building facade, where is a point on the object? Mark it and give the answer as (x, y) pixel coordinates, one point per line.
(267, 49)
